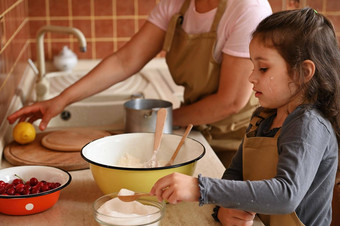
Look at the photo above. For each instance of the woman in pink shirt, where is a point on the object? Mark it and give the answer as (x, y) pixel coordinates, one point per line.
(207, 45)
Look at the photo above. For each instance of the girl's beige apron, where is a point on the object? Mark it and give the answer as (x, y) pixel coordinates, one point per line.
(192, 65)
(260, 158)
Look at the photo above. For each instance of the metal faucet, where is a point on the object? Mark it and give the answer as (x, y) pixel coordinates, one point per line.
(42, 84)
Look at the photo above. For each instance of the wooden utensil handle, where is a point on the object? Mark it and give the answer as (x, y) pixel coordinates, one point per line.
(161, 117)
(186, 133)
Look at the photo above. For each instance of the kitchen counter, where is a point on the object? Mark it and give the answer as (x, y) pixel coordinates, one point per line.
(75, 203)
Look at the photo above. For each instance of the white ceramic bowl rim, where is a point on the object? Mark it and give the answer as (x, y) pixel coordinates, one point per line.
(144, 169)
(63, 185)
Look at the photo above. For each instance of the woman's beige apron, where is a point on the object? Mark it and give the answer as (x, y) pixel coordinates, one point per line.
(260, 158)
(192, 65)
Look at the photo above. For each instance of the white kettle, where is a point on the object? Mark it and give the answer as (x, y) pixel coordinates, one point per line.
(66, 60)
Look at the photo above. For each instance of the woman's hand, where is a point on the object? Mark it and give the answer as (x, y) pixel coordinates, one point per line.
(44, 110)
(235, 217)
(176, 187)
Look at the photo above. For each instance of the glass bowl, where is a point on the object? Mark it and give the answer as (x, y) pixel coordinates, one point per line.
(109, 210)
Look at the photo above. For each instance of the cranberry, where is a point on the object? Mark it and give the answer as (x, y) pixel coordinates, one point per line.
(34, 181)
(40, 184)
(11, 191)
(35, 190)
(9, 186)
(45, 187)
(53, 185)
(26, 192)
(17, 181)
(20, 188)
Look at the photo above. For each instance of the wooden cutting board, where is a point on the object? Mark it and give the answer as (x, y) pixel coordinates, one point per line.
(71, 139)
(36, 154)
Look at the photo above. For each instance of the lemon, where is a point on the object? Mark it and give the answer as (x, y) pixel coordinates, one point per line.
(24, 133)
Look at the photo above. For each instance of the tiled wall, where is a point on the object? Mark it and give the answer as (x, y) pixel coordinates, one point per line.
(14, 49)
(106, 24)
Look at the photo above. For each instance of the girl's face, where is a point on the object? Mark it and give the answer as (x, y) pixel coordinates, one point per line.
(271, 82)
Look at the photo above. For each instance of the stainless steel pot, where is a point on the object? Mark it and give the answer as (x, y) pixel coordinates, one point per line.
(141, 115)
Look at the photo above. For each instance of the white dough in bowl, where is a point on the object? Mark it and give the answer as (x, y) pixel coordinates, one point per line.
(128, 160)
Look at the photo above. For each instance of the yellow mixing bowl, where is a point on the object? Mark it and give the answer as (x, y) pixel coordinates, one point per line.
(105, 154)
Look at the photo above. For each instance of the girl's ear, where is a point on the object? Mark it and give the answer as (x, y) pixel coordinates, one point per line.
(308, 69)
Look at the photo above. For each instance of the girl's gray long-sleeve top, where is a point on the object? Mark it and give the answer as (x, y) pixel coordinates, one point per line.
(308, 159)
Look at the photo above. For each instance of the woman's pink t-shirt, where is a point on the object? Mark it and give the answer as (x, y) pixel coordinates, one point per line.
(234, 30)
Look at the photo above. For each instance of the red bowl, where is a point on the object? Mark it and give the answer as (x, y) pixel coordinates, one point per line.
(32, 203)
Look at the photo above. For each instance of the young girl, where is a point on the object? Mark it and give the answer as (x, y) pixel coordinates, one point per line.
(285, 167)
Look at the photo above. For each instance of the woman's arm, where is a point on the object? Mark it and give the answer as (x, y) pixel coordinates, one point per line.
(117, 67)
(143, 46)
(233, 94)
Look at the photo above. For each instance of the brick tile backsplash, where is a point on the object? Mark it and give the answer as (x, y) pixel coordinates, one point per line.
(333, 6)
(103, 8)
(106, 24)
(79, 7)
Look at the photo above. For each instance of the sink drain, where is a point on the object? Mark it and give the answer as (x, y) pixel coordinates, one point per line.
(65, 115)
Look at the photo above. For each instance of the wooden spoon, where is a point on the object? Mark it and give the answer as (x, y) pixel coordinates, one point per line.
(130, 198)
(174, 155)
(161, 116)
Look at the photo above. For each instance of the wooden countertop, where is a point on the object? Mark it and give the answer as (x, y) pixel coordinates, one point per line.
(75, 203)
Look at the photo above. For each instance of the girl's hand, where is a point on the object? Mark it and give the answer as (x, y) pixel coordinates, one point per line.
(176, 187)
(235, 217)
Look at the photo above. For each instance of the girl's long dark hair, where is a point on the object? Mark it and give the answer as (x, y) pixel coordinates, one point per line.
(304, 34)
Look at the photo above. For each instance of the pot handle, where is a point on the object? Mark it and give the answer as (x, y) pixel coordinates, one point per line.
(138, 95)
(148, 114)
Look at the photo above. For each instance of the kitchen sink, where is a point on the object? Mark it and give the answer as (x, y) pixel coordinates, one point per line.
(105, 110)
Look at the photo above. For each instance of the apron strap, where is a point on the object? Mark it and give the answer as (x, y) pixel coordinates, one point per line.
(170, 32)
(220, 10)
(277, 133)
(175, 20)
(185, 6)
